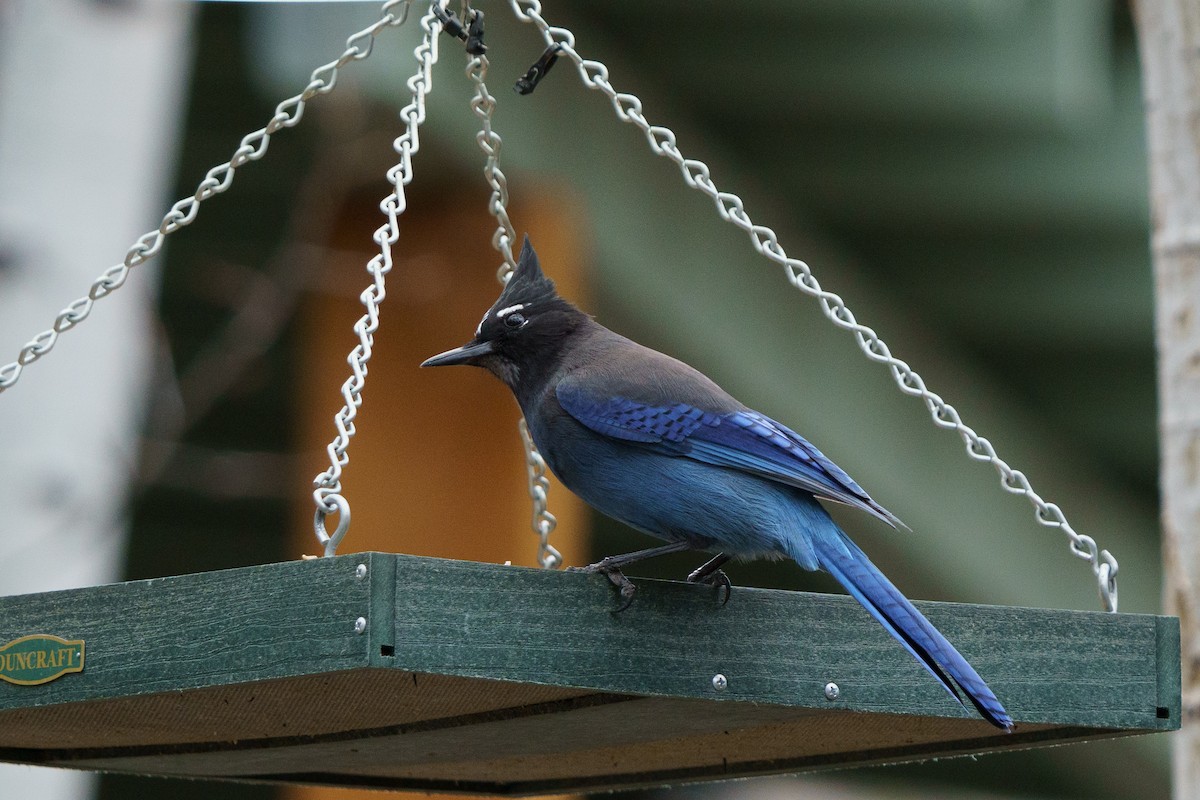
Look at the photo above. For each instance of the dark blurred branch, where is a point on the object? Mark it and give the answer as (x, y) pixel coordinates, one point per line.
(265, 301)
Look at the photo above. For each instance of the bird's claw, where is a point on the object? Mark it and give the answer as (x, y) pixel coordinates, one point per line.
(617, 578)
(717, 578)
(625, 587)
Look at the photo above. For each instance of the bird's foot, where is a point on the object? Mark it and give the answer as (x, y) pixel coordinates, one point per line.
(716, 578)
(617, 578)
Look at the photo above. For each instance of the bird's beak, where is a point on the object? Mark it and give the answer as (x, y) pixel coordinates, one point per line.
(460, 355)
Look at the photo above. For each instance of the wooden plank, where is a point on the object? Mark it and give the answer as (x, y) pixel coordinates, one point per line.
(1048, 666)
(526, 625)
(1170, 668)
(193, 631)
(591, 741)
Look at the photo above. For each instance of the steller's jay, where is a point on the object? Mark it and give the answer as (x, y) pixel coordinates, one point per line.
(650, 441)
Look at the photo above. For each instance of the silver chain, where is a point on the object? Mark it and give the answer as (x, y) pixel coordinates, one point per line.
(218, 179)
(662, 141)
(328, 485)
(730, 207)
(483, 105)
(543, 521)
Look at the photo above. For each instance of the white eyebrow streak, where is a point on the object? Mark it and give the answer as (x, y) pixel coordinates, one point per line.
(502, 312)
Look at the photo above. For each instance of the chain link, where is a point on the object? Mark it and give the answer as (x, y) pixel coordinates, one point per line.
(328, 485)
(218, 179)
(543, 521)
(730, 207)
(483, 105)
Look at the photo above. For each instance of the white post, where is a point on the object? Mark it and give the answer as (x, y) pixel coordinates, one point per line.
(91, 96)
(1169, 37)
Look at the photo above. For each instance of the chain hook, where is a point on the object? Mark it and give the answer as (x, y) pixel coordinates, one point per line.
(471, 34)
(341, 507)
(1106, 575)
(529, 81)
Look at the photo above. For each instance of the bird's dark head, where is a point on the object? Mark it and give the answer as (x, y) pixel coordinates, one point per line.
(521, 337)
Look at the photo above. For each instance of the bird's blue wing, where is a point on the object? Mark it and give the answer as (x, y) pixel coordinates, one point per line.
(621, 418)
(741, 439)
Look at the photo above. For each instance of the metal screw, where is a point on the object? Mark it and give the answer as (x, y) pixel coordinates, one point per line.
(360, 571)
(360, 624)
(832, 692)
(720, 682)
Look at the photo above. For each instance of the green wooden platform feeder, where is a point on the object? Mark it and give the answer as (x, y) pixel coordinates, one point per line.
(393, 671)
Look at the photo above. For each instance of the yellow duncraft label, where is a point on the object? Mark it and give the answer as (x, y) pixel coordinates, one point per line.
(40, 658)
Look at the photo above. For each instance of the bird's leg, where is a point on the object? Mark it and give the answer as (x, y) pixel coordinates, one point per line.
(710, 572)
(610, 568)
(613, 563)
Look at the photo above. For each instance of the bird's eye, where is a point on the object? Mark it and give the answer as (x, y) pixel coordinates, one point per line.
(514, 320)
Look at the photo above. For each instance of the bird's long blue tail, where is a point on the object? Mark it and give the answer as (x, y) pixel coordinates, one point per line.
(845, 561)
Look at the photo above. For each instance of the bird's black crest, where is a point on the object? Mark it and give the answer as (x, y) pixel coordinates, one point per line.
(527, 285)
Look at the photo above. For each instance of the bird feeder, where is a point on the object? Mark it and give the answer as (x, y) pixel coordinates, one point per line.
(393, 671)
(398, 672)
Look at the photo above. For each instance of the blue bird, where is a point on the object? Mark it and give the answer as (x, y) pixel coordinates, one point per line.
(650, 441)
